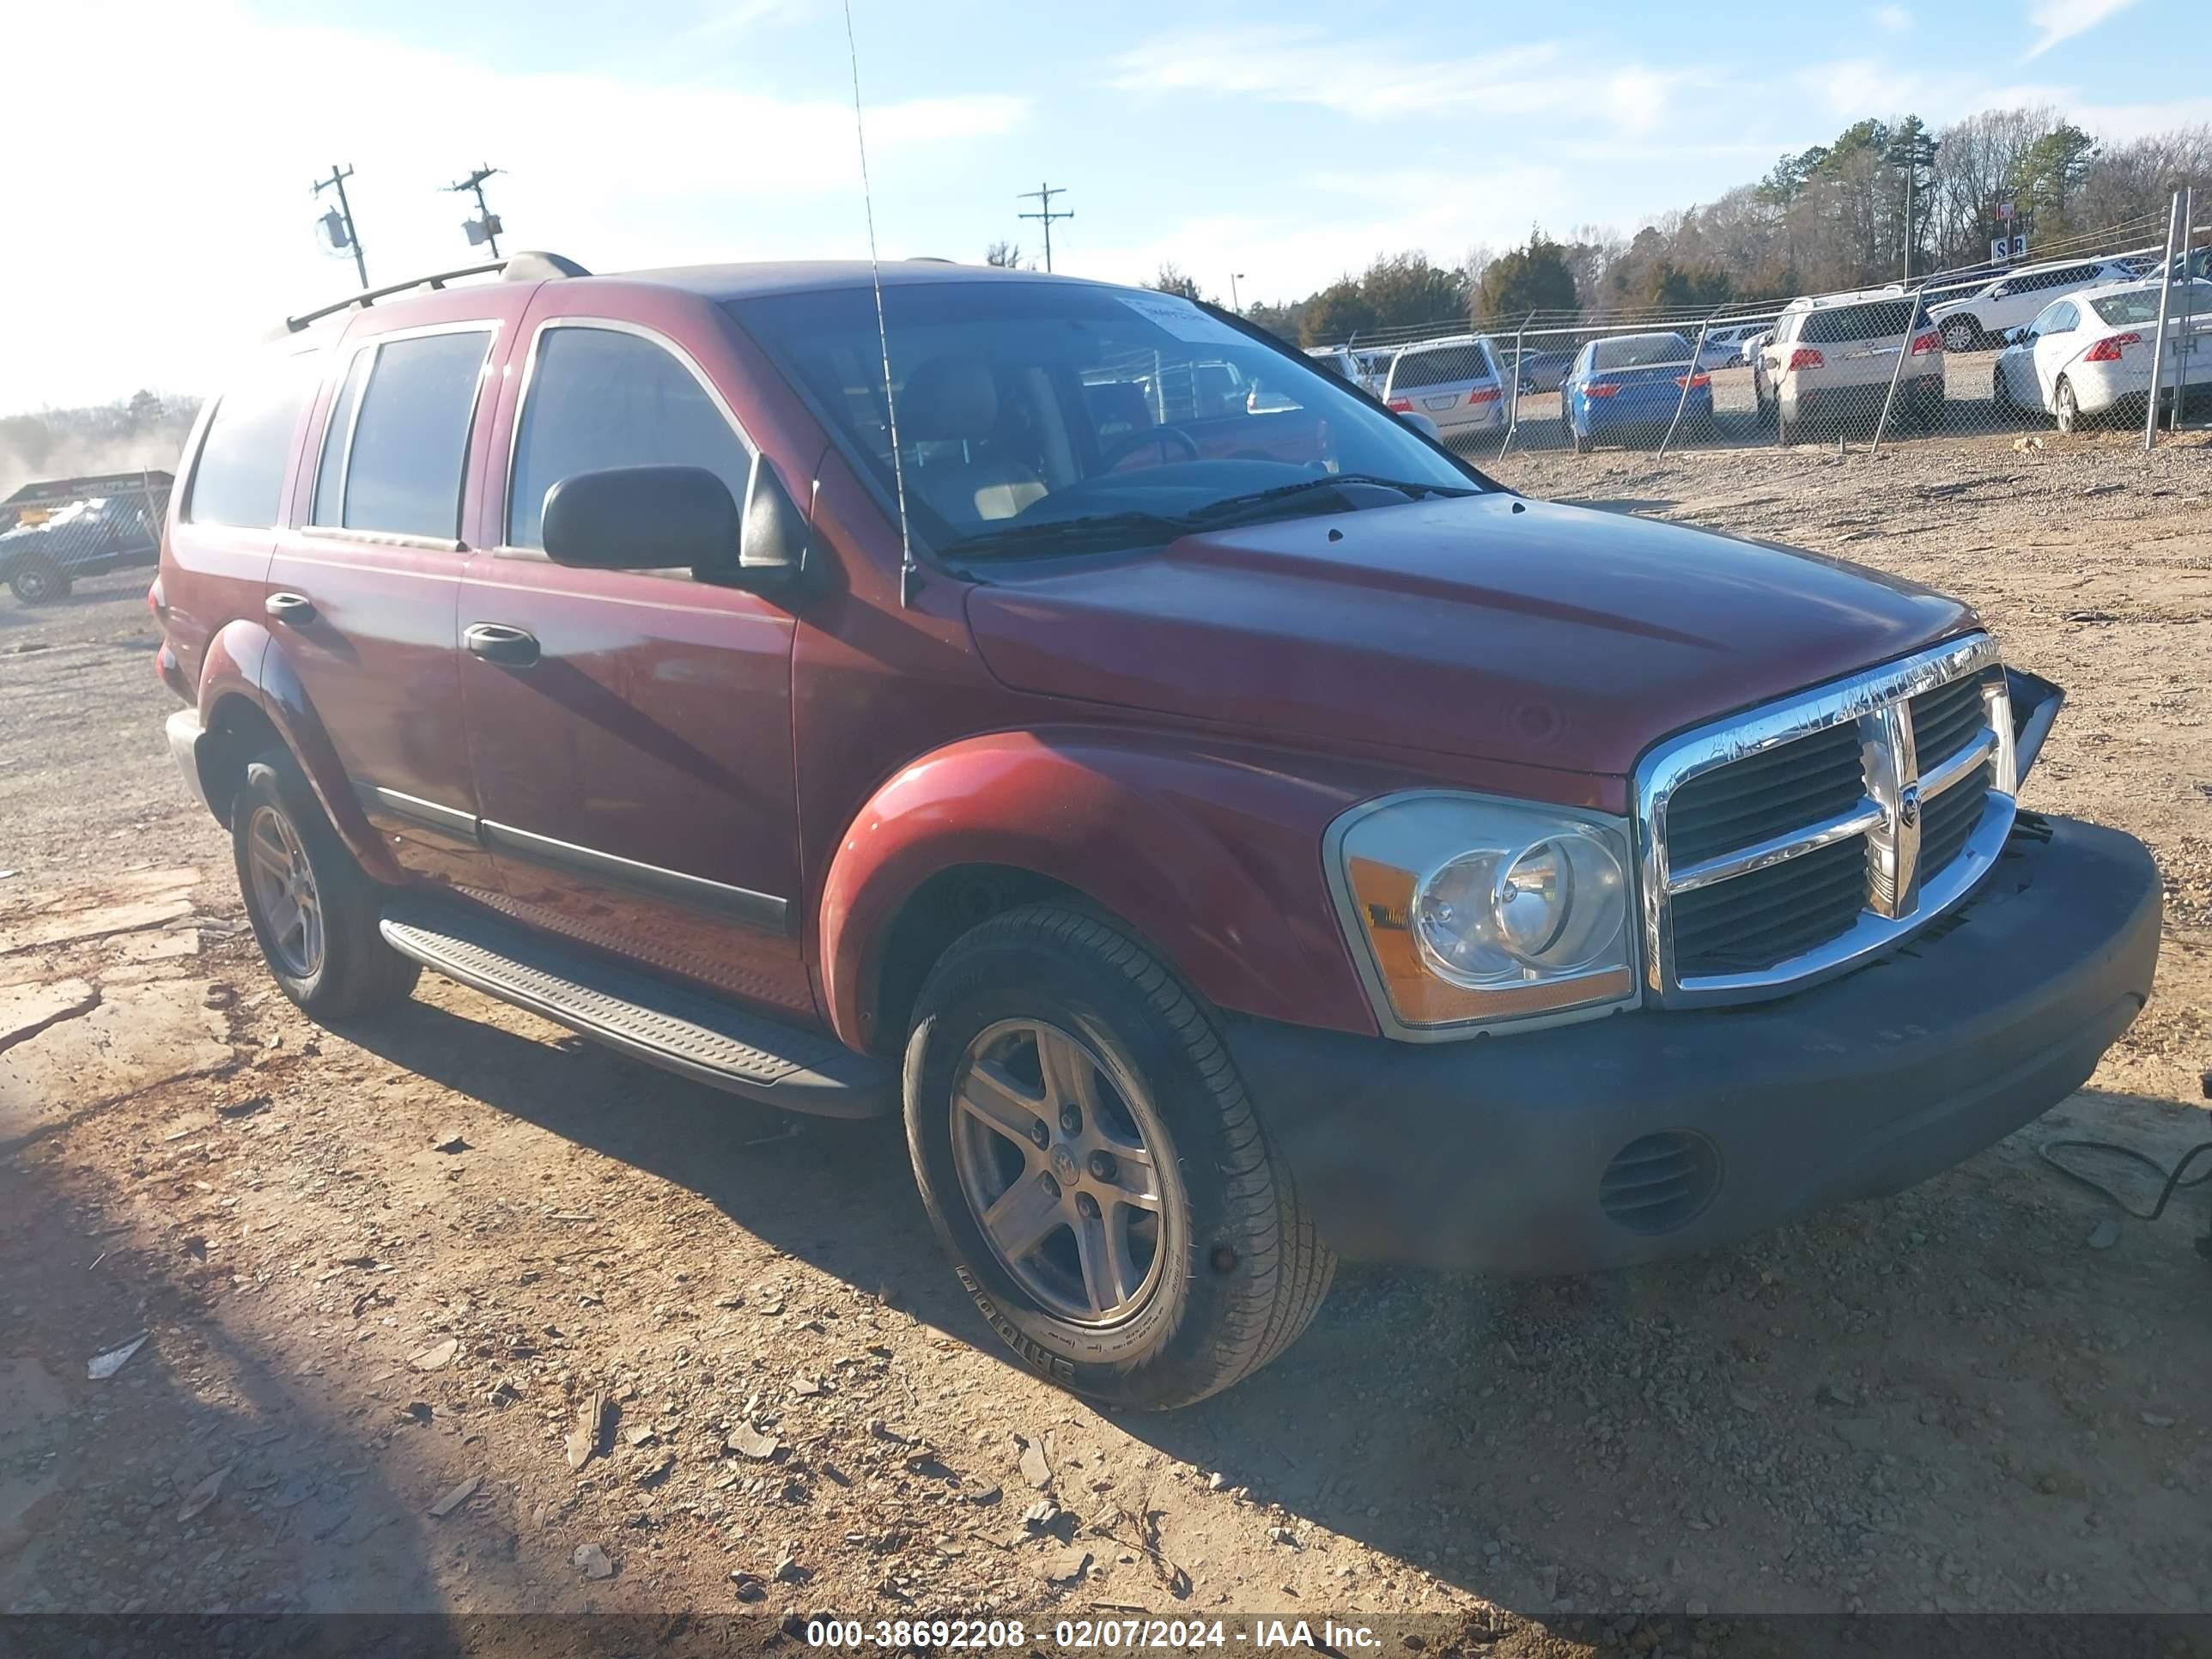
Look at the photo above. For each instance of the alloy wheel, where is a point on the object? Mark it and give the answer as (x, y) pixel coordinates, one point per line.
(1055, 1151)
(284, 893)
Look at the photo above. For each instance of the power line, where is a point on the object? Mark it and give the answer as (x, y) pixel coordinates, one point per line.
(486, 226)
(1042, 195)
(344, 234)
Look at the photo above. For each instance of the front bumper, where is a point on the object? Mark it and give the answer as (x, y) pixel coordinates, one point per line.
(1503, 1154)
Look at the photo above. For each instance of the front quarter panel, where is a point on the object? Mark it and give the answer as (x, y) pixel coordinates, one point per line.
(1211, 852)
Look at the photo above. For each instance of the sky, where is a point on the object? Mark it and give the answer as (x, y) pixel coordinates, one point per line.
(158, 169)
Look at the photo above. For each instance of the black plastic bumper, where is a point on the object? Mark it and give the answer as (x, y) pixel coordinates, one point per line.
(1493, 1154)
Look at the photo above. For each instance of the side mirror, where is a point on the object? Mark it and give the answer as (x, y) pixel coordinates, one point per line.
(640, 517)
(671, 517)
(1422, 425)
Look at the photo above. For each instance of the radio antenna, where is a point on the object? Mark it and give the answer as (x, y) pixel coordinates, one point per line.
(909, 573)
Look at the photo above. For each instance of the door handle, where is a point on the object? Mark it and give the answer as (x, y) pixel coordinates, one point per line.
(510, 647)
(294, 608)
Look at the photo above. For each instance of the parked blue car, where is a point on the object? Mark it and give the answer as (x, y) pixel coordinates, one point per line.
(1632, 384)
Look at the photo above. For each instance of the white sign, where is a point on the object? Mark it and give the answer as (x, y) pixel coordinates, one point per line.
(2000, 249)
(2019, 247)
(2004, 211)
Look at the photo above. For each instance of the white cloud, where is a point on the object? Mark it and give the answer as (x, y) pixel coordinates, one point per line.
(2061, 20)
(1895, 19)
(741, 15)
(1381, 80)
(1311, 243)
(1854, 88)
(614, 170)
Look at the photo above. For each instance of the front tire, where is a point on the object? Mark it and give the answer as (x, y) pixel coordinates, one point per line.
(1090, 1160)
(38, 581)
(314, 913)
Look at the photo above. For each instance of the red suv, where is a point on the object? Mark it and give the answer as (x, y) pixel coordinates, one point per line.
(1232, 832)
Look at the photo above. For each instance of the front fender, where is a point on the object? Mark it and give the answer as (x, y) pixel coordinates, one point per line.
(1213, 854)
(244, 659)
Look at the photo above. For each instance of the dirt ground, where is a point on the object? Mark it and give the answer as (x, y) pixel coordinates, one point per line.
(382, 1273)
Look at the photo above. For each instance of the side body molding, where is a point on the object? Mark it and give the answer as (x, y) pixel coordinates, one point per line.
(1211, 851)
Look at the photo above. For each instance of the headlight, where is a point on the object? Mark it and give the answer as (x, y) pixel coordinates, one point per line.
(1466, 911)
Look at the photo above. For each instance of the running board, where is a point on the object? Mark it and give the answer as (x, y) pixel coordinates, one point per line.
(645, 1017)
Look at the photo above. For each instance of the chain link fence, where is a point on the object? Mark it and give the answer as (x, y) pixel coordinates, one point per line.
(2073, 338)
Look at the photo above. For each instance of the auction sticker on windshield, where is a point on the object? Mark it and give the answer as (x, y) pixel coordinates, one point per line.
(1182, 319)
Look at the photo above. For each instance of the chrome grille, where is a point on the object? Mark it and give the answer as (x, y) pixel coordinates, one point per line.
(1948, 718)
(1772, 915)
(1946, 821)
(1787, 843)
(1765, 795)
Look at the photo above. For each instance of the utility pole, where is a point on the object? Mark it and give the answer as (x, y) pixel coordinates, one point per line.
(486, 226)
(1235, 305)
(337, 181)
(1042, 195)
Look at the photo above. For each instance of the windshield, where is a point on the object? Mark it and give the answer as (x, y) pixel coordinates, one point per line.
(1106, 417)
(2140, 305)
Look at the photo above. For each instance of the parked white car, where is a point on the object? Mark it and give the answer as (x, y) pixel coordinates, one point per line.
(1831, 359)
(1983, 317)
(1727, 345)
(2089, 354)
(1339, 362)
(1455, 381)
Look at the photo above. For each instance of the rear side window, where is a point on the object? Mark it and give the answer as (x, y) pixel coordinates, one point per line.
(240, 477)
(410, 436)
(330, 470)
(1439, 366)
(600, 398)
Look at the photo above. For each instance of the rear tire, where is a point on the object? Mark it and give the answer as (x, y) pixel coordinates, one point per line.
(1155, 1306)
(1576, 440)
(1785, 429)
(314, 912)
(37, 580)
(1961, 334)
(2065, 409)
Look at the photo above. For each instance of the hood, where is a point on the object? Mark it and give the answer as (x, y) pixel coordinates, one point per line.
(1483, 626)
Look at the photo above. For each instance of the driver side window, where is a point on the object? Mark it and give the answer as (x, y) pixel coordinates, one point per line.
(600, 398)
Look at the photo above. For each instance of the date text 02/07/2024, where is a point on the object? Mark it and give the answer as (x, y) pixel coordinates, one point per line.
(1089, 1634)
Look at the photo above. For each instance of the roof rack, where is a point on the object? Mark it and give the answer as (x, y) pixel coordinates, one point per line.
(527, 266)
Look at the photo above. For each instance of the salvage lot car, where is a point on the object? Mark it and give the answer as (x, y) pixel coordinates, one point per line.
(2090, 354)
(58, 530)
(1831, 364)
(1222, 864)
(1634, 385)
(1454, 382)
(2013, 297)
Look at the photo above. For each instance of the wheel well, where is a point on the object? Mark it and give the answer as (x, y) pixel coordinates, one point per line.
(950, 903)
(237, 730)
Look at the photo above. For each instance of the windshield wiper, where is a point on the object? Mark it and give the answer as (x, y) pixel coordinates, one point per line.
(1070, 535)
(1233, 505)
